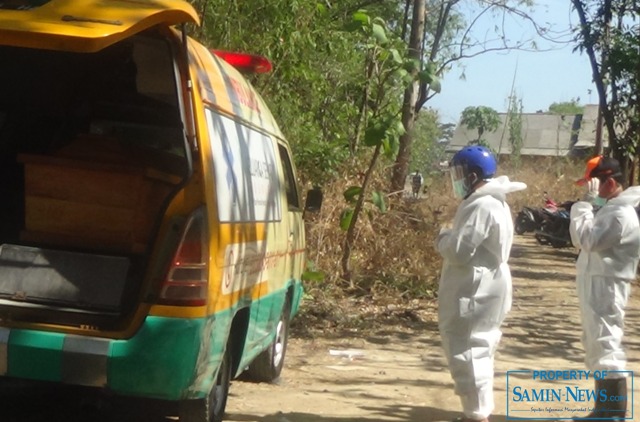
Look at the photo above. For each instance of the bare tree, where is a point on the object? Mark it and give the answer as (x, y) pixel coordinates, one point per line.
(446, 39)
(608, 34)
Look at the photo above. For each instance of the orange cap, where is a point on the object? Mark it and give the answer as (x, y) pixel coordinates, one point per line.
(591, 165)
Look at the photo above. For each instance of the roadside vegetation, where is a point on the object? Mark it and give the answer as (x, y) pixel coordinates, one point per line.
(397, 265)
(350, 87)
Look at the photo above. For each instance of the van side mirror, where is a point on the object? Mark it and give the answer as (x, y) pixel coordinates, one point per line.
(313, 202)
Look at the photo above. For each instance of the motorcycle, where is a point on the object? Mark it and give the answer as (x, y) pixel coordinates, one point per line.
(530, 219)
(554, 230)
(555, 222)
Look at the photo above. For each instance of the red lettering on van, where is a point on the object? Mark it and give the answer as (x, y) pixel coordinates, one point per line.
(244, 95)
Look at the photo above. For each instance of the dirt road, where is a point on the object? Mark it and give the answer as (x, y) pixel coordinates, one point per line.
(395, 373)
(399, 374)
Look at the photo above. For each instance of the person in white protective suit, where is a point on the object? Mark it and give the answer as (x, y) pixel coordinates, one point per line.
(609, 242)
(474, 294)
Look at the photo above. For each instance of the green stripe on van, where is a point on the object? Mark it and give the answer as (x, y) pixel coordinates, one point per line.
(35, 355)
(298, 291)
(159, 360)
(169, 358)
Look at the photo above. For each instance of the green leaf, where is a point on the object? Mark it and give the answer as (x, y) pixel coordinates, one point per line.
(313, 276)
(361, 17)
(379, 33)
(353, 26)
(378, 201)
(402, 73)
(387, 148)
(321, 8)
(345, 219)
(351, 193)
(411, 65)
(374, 135)
(396, 56)
(435, 85)
(426, 76)
(390, 147)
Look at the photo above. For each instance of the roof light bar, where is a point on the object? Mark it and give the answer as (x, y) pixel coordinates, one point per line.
(244, 61)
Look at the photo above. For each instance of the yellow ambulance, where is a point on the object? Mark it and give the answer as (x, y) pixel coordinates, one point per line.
(151, 234)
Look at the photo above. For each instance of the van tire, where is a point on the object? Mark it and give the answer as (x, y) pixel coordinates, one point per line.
(268, 365)
(211, 408)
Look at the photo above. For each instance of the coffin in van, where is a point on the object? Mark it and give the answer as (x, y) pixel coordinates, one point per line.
(94, 160)
(66, 194)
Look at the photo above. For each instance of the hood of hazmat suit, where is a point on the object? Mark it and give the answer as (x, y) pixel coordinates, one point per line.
(475, 290)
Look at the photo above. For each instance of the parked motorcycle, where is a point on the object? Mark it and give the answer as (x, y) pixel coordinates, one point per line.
(554, 230)
(530, 219)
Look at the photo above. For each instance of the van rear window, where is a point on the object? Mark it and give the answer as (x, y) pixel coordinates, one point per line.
(22, 4)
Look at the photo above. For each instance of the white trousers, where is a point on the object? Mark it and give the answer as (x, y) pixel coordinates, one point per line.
(471, 310)
(602, 307)
(471, 365)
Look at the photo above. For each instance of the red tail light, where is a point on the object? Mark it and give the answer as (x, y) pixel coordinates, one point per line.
(245, 62)
(187, 280)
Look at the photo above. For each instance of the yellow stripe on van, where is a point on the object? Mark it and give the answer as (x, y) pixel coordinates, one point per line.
(212, 88)
(179, 312)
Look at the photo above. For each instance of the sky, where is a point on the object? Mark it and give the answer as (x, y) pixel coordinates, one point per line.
(541, 77)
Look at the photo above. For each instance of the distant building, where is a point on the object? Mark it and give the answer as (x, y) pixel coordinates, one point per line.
(543, 134)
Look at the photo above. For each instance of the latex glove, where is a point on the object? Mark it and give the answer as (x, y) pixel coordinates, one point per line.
(593, 186)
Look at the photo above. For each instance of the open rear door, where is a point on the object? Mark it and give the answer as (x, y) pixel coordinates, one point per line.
(87, 25)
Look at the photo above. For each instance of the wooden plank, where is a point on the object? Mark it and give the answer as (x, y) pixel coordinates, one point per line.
(109, 188)
(78, 219)
(70, 203)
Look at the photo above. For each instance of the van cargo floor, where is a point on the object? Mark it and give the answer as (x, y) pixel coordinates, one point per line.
(62, 278)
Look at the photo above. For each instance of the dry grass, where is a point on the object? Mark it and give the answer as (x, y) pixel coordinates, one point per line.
(394, 263)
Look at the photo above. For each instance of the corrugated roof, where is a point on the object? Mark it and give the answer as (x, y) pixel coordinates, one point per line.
(543, 134)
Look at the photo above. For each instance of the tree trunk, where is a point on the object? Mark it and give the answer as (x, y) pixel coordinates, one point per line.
(598, 73)
(401, 166)
(443, 20)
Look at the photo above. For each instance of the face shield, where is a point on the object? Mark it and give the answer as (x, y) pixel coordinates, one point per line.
(459, 180)
(470, 166)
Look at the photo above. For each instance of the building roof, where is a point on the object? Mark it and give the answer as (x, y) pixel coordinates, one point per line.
(587, 134)
(543, 134)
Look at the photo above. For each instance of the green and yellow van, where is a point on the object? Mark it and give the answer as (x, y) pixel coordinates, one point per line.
(151, 234)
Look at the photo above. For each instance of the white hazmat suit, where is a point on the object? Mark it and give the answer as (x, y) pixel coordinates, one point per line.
(609, 243)
(475, 291)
